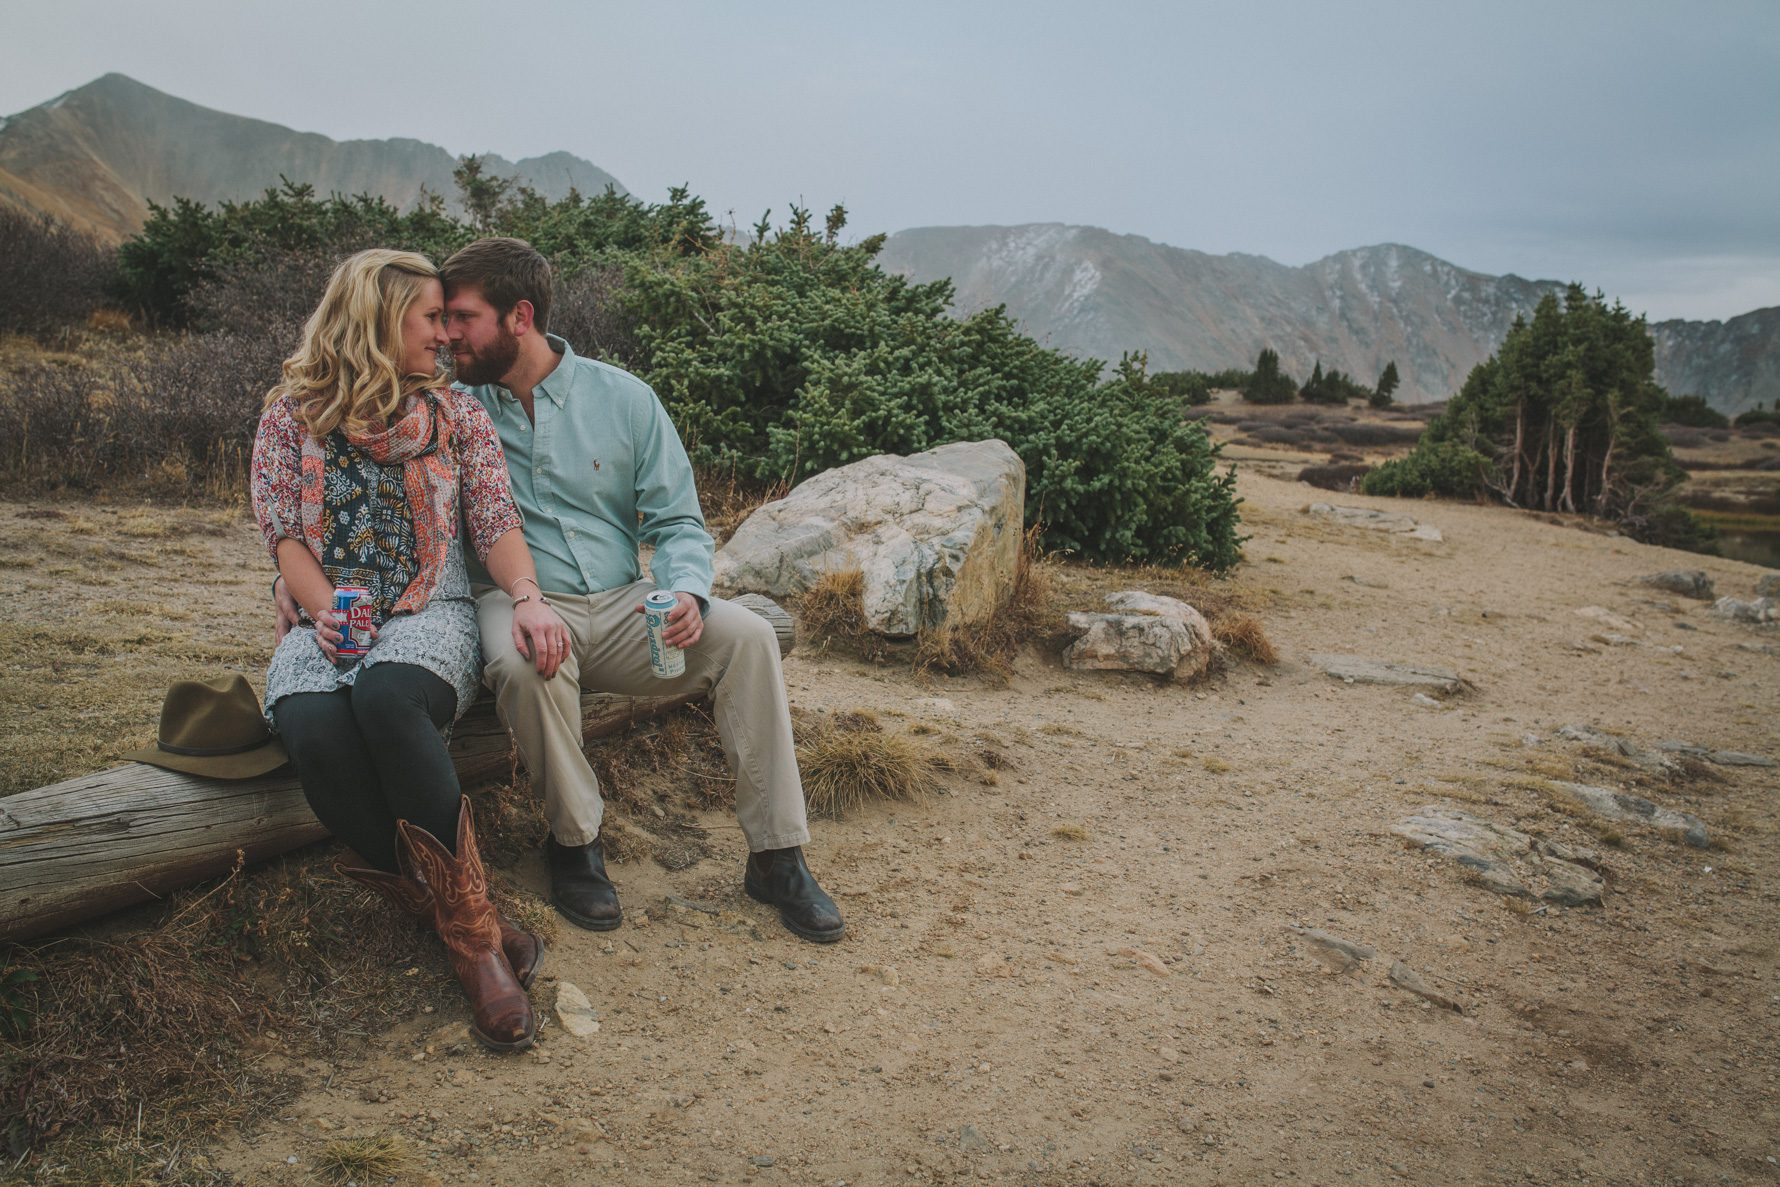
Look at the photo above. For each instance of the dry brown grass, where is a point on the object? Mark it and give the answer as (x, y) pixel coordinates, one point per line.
(1070, 832)
(364, 1160)
(831, 614)
(1244, 636)
(167, 1025)
(849, 760)
(727, 499)
(989, 647)
(676, 759)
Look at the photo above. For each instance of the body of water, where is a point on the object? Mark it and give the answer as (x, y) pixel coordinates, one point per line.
(1756, 547)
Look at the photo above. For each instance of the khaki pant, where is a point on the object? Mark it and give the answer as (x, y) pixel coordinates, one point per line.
(736, 661)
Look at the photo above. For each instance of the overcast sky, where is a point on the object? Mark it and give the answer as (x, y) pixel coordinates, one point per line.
(1630, 145)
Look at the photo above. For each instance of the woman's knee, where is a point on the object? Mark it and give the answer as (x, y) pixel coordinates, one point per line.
(390, 697)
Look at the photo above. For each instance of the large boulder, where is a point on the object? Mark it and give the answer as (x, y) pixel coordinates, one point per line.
(1147, 633)
(935, 535)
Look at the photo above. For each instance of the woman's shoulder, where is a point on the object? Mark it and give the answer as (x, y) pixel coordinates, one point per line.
(458, 403)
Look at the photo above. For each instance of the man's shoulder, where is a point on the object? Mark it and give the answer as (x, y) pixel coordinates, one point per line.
(611, 380)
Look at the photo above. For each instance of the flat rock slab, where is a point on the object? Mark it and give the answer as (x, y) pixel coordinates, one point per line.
(1635, 809)
(1759, 611)
(1689, 583)
(1724, 758)
(1394, 522)
(1358, 669)
(1607, 618)
(1506, 860)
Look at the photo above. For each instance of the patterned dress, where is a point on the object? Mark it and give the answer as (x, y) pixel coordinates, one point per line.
(367, 496)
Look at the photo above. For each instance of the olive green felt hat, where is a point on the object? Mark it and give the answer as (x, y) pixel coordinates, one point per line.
(214, 728)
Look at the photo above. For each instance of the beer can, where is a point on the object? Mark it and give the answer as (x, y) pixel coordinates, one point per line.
(353, 606)
(666, 662)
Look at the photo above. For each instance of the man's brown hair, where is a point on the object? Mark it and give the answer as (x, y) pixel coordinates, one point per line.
(507, 271)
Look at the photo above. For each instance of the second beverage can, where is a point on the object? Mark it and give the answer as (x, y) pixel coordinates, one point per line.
(666, 662)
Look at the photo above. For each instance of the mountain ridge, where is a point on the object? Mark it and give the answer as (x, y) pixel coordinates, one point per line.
(97, 155)
(1094, 292)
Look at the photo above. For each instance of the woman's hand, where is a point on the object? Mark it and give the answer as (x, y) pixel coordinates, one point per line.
(330, 629)
(327, 634)
(547, 633)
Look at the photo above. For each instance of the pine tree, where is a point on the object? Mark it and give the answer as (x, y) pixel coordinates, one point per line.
(1387, 386)
(1269, 385)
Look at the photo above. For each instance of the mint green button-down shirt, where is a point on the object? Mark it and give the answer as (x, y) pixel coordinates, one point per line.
(601, 472)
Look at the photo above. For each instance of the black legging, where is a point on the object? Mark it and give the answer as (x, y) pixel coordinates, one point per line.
(371, 754)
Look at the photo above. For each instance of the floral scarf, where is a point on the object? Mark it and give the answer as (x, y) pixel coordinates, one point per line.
(379, 509)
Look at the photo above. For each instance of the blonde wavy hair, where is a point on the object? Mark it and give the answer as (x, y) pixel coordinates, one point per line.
(347, 374)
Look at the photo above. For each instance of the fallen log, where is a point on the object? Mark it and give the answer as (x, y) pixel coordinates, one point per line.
(85, 847)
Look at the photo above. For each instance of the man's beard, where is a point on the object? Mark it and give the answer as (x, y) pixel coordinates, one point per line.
(487, 366)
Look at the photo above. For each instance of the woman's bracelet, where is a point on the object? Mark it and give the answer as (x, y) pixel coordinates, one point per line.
(533, 580)
(275, 582)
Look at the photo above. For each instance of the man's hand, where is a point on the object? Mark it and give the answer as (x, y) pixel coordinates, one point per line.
(541, 636)
(287, 610)
(685, 624)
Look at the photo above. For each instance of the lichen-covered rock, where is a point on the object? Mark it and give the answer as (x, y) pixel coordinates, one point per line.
(1155, 634)
(1768, 586)
(936, 536)
(1635, 809)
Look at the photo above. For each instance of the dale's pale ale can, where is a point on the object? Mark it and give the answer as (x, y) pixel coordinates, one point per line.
(352, 605)
(666, 662)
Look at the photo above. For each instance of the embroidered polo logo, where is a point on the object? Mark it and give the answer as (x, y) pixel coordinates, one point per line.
(596, 463)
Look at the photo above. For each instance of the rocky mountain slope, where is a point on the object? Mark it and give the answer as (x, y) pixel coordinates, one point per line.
(1092, 292)
(99, 154)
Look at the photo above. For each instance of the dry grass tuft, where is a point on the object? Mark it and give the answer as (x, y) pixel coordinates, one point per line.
(363, 1160)
(1243, 635)
(989, 647)
(850, 760)
(831, 613)
(622, 843)
(676, 758)
(1070, 832)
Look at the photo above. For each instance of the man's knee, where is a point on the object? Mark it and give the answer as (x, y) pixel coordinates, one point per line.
(504, 670)
(746, 631)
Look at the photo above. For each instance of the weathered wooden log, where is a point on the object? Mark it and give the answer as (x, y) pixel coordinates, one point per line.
(82, 848)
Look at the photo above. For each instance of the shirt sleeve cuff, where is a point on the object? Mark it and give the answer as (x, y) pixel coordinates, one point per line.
(697, 589)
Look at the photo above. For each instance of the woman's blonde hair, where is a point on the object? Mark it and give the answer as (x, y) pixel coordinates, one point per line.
(347, 373)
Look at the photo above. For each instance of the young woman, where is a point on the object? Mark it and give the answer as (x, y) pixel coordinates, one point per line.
(364, 466)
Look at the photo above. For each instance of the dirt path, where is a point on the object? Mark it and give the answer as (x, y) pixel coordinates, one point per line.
(1083, 974)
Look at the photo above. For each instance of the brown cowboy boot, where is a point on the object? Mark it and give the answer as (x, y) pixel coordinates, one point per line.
(466, 921)
(524, 950)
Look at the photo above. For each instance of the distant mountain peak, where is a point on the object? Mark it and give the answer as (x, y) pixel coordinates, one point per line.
(97, 155)
(1100, 294)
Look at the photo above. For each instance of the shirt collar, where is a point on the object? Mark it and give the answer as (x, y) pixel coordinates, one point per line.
(561, 379)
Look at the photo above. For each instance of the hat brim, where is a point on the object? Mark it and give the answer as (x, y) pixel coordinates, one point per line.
(261, 760)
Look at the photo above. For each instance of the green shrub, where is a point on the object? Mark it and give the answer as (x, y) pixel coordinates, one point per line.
(1444, 468)
(1692, 411)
